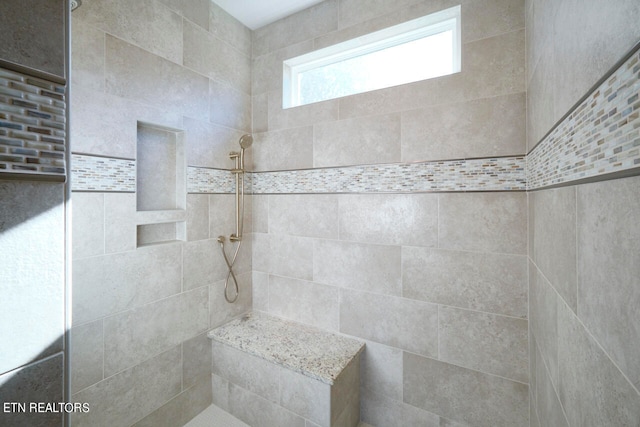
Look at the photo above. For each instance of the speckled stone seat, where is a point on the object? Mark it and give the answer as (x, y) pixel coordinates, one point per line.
(274, 372)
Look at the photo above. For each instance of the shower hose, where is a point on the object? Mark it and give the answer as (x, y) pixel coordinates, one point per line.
(230, 274)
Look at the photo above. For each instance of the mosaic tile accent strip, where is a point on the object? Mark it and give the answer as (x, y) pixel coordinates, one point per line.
(32, 126)
(92, 173)
(600, 136)
(205, 180)
(495, 174)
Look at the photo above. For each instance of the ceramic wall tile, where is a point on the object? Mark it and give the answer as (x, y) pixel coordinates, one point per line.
(373, 268)
(43, 50)
(135, 74)
(229, 29)
(608, 294)
(585, 367)
(88, 225)
(128, 396)
(494, 66)
(285, 149)
(484, 342)
(304, 215)
(196, 11)
(464, 395)
(108, 284)
(135, 335)
(87, 353)
(304, 25)
(478, 128)
(396, 322)
(488, 222)
(495, 283)
(543, 303)
(357, 141)
(87, 59)
(554, 245)
(305, 302)
(40, 383)
(182, 408)
(381, 370)
(221, 311)
(390, 219)
(147, 24)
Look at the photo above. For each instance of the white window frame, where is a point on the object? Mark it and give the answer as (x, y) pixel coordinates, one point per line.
(435, 23)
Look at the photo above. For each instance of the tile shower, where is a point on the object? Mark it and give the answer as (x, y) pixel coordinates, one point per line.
(146, 308)
(399, 217)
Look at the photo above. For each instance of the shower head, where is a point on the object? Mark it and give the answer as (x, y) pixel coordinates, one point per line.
(246, 141)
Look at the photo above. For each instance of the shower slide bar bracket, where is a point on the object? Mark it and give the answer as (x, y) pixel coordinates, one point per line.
(238, 171)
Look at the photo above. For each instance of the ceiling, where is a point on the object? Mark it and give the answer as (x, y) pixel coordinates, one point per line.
(258, 13)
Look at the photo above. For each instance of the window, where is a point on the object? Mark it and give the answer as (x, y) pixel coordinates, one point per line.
(420, 49)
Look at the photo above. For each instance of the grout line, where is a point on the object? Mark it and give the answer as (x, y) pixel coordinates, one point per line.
(493, 36)
(479, 311)
(104, 225)
(587, 331)
(438, 222)
(129, 368)
(547, 373)
(387, 295)
(144, 304)
(591, 337)
(182, 366)
(104, 351)
(438, 333)
(104, 56)
(182, 289)
(34, 362)
(460, 366)
(577, 269)
(402, 259)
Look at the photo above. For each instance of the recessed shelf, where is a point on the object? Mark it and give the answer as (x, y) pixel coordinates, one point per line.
(168, 232)
(161, 185)
(161, 168)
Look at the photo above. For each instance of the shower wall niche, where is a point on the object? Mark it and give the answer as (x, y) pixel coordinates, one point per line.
(161, 184)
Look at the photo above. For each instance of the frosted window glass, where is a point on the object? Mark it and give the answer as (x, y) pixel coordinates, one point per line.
(420, 49)
(410, 62)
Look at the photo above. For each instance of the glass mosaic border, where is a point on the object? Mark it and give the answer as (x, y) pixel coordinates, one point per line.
(599, 137)
(92, 173)
(207, 180)
(95, 173)
(33, 126)
(491, 174)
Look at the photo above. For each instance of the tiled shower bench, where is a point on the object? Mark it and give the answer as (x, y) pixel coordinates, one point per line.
(274, 372)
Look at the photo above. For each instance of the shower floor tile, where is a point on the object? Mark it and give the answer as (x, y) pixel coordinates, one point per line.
(216, 417)
(213, 416)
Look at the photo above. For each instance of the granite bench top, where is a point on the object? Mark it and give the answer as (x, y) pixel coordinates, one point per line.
(310, 351)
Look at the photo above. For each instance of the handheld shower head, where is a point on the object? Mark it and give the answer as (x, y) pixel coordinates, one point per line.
(246, 141)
